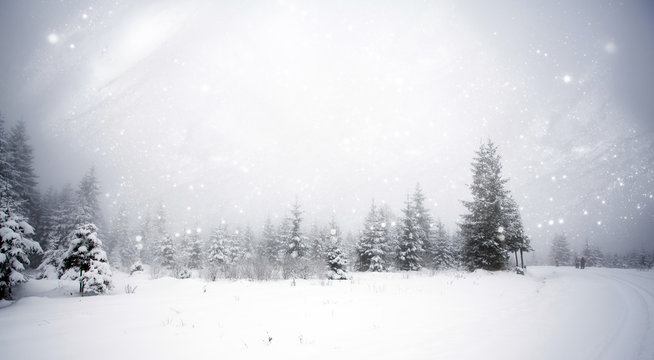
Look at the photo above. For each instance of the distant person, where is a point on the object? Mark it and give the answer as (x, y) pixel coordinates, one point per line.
(556, 261)
(576, 262)
(583, 262)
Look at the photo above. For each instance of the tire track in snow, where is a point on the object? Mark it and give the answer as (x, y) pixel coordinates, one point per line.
(635, 320)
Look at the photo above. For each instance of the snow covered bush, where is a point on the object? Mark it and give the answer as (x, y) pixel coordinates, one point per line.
(182, 272)
(138, 266)
(87, 259)
(15, 246)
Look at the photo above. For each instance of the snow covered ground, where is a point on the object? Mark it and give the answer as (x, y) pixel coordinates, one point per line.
(551, 313)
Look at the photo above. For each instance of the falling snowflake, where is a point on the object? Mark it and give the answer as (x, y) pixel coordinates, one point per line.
(53, 38)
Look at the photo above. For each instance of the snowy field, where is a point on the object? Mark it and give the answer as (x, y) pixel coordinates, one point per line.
(551, 313)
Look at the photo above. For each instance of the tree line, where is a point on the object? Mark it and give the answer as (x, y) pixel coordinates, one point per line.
(561, 254)
(62, 231)
(63, 234)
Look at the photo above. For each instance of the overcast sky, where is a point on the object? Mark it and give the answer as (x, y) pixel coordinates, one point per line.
(229, 110)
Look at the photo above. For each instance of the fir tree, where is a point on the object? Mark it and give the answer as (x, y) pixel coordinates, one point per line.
(47, 223)
(295, 264)
(424, 223)
(217, 256)
(515, 239)
(336, 262)
(410, 252)
(119, 238)
(15, 245)
(318, 246)
(382, 253)
(88, 205)
(149, 241)
(372, 246)
(183, 246)
(483, 226)
(270, 246)
(157, 232)
(86, 257)
(5, 164)
(128, 252)
(593, 255)
(167, 252)
(246, 244)
(442, 252)
(295, 241)
(62, 223)
(195, 250)
(560, 251)
(20, 172)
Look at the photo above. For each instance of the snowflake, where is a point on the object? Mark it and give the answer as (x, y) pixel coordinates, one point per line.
(53, 38)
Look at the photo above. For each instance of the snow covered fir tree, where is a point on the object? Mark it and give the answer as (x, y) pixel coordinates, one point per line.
(442, 251)
(492, 227)
(86, 261)
(16, 244)
(295, 262)
(411, 242)
(17, 203)
(560, 253)
(372, 247)
(336, 261)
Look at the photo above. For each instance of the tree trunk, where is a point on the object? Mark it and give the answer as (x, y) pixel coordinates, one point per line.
(81, 282)
(522, 260)
(515, 253)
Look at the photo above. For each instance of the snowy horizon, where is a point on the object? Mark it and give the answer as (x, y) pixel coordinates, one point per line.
(232, 110)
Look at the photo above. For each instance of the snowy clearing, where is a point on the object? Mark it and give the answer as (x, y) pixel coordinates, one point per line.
(549, 313)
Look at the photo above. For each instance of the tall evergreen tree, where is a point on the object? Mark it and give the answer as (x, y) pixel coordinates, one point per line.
(157, 233)
(560, 250)
(483, 226)
(62, 221)
(86, 256)
(5, 164)
(167, 252)
(15, 245)
(128, 251)
(149, 242)
(515, 238)
(217, 255)
(246, 243)
(195, 249)
(296, 246)
(424, 222)
(317, 244)
(88, 205)
(21, 176)
(47, 223)
(295, 262)
(272, 247)
(336, 262)
(442, 252)
(372, 247)
(119, 232)
(593, 255)
(411, 250)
